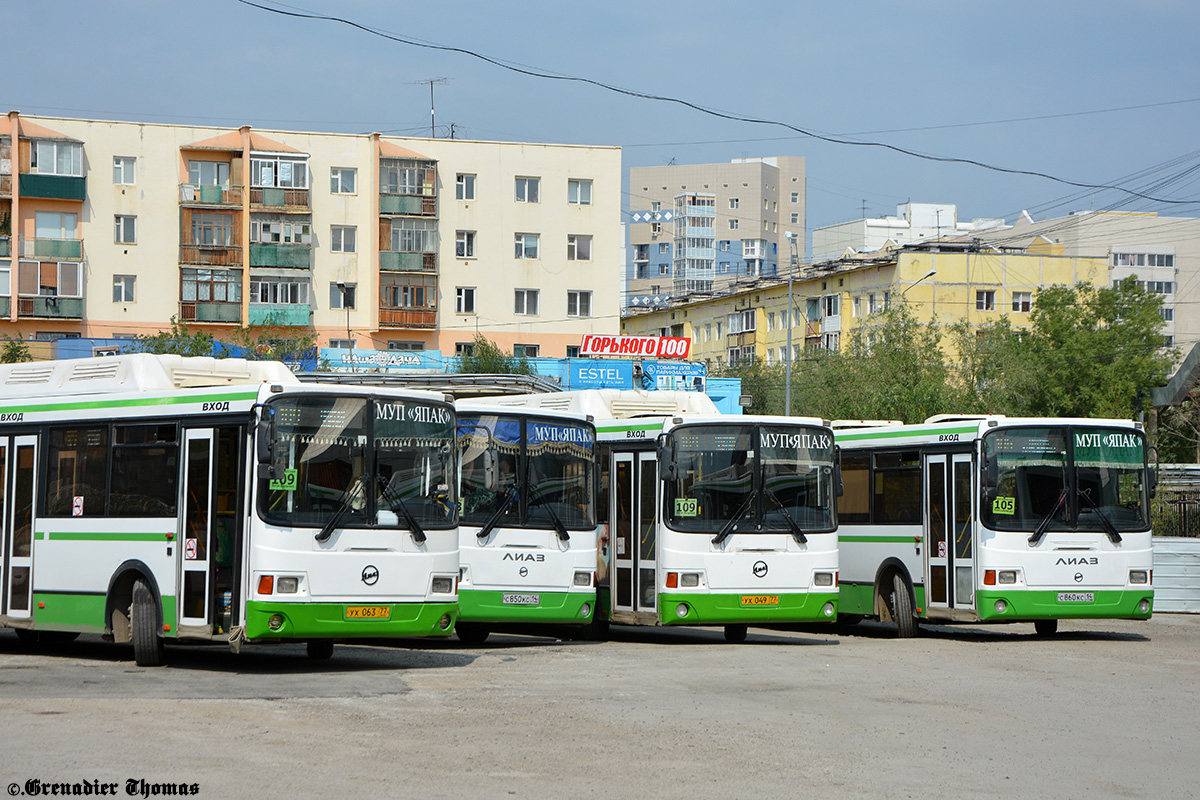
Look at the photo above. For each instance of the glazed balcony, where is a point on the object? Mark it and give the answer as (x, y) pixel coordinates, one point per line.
(291, 256)
(50, 307)
(391, 317)
(408, 205)
(5, 307)
(204, 195)
(210, 255)
(5, 247)
(57, 249)
(53, 187)
(391, 261)
(278, 198)
(280, 315)
(6, 185)
(201, 311)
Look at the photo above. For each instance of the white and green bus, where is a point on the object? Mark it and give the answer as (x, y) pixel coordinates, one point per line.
(527, 519)
(156, 499)
(708, 519)
(993, 519)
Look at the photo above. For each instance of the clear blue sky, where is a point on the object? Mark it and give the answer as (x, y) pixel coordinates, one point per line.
(949, 78)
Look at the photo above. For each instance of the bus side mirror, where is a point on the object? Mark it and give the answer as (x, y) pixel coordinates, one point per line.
(265, 444)
(666, 458)
(491, 471)
(838, 486)
(1152, 475)
(991, 472)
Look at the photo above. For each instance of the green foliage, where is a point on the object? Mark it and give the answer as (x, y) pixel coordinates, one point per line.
(178, 341)
(14, 351)
(273, 342)
(486, 358)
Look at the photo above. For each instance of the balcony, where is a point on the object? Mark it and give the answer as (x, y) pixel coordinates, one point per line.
(408, 204)
(5, 247)
(204, 195)
(56, 249)
(53, 187)
(812, 328)
(50, 307)
(196, 311)
(390, 261)
(391, 317)
(280, 315)
(291, 256)
(271, 197)
(5, 307)
(6, 185)
(210, 255)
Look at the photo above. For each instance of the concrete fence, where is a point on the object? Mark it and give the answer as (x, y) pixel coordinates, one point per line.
(1177, 574)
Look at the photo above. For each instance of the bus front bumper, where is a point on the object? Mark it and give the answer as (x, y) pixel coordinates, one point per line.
(1015, 606)
(336, 621)
(681, 608)
(557, 608)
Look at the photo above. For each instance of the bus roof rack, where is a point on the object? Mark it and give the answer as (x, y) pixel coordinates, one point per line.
(937, 419)
(844, 424)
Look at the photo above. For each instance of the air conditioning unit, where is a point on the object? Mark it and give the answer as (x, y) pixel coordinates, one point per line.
(107, 350)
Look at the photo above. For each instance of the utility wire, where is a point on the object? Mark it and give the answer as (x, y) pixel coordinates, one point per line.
(534, 73)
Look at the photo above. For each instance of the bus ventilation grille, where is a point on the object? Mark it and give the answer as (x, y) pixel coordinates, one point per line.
(28, 375)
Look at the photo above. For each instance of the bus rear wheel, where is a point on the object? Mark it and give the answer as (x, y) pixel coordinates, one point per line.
(320, 649)
(143, 624)
(1045, 627)
(471, 633)
(736, 634)
(902, 608)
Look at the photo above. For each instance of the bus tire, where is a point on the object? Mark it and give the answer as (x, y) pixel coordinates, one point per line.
(44, 638)
(471, 633)
(143, 624)
(1045, 627)
(320, 649)
(736, 634)
(902, 608)
(595, 631)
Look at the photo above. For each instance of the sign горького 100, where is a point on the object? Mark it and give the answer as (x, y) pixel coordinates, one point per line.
(645, 346)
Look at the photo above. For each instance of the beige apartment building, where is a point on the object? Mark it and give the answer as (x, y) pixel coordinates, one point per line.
(111, 229)
(697, 229)
(942, 284)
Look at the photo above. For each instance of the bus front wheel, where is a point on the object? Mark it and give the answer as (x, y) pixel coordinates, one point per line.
(735, 634)
(1045, 627)
(143, 624)
(902, 608)
(471, 633)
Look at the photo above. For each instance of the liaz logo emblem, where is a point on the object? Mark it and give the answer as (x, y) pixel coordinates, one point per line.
(1074, 561)
(760, 569)
(524, 557)
(370, 575)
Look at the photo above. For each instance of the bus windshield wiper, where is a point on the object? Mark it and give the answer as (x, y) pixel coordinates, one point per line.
(347, 501)
(731, 525)
(495, 517)
(1109, 528)
(797, 534)
(1045, 523)
(563, 535)
(395, 502)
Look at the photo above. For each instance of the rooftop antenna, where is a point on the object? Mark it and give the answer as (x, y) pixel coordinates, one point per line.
(431, 82)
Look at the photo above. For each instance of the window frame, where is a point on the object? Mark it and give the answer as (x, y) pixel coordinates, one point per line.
(125, 225)
(522, 185)
(464, 185)
(521, 302)
(575, 188)
(337, 238)
(124, 170)
(464, 299)
(337, 180)
(579, 298)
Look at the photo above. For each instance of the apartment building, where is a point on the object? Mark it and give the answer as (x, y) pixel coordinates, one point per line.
(735, 217)
(111, 229)
(913, 223)
(944, 284)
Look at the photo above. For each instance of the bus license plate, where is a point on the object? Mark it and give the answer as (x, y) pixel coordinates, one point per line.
(368, 612)
(1076, 597)
(760, 599)
(513, 599)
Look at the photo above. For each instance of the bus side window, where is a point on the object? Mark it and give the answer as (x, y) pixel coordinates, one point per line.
(855, 503)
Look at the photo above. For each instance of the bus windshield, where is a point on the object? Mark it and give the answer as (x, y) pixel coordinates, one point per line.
(1064, 479)
(761, 478)
(372, 461)
(547, 463)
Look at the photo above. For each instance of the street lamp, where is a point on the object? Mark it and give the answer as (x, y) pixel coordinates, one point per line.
(787, 357)
(346, 305)
(929, 274)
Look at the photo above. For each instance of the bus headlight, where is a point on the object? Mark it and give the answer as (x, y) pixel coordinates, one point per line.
(823, 579)
(445, 622)
(275, 622)
(827, 610)
(287, 585)
(1144, 607)
(1006, 576)
(443, 585)
(583, 579)
(681, 610)
(1138, 576)
(689, 580)
(1001, 606)
(585, 610)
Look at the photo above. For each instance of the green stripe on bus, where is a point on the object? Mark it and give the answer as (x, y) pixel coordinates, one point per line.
(102, 536)
(633, 426)
(76, 612)
(892, 433)
(133, 403)
(886, 539)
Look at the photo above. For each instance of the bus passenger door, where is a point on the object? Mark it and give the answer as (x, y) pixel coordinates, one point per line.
(949, 528)
(18, 475)
(195, 610)
(635, 530)
(622, 531)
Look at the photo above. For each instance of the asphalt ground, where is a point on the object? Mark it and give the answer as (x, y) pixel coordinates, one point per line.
(1103, 709)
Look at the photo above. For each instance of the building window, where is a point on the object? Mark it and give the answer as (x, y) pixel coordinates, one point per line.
(664, 248)
(407, 177)
(403, 344)
(211, 285)
(57, 158)
(464, 300)
(1168, 314)
(279, 172)
(208, 173)
(123, 172)
(126, 229)
(123, 286)
(279, 291)
(54, 224)
(276, 231)
(733, 202)
(343, 344)
(655, 228)
(527, 245)
(724, 245)
(1022, 301)
(1168, 341)
(525, 350)
(985, 300)
(795, 219)
(527, 190)
(341, 295)
(579, 304)
(854, 310)
(795, 197)
(831, 305)
(526, 302)
(572, 351)
(342, 180)
(664, 269)
(464, 244)
(414, 236)
(1160, 287)
(733, 224)
(342, 239)
(464, 187)
(579, 248)
(464, 349)
(579, 192)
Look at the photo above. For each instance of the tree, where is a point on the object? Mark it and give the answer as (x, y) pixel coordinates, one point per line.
(14, 351)
(273, 343)
(486, 358)
(178, 341)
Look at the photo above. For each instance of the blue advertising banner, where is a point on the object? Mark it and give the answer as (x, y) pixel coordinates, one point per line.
(600, 374)
(663, 375)
(342, 360)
